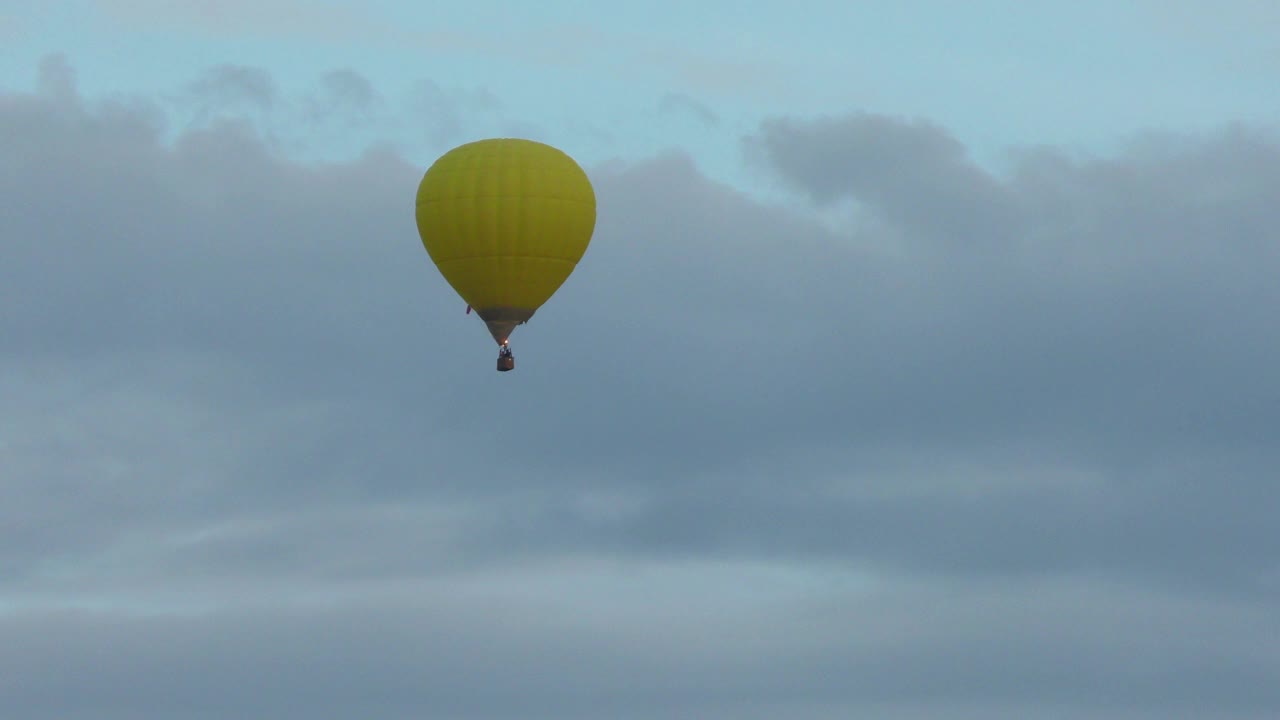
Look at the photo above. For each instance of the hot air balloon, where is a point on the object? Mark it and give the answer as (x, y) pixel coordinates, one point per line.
(505, 221)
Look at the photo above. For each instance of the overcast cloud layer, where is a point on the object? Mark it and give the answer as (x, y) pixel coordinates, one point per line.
(988, 447)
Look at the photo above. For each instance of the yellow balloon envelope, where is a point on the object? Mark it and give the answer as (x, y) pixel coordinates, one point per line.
(505, 221)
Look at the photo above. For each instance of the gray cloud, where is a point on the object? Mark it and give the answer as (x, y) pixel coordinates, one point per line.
(345, 95)
(749, 465)
(343, 109)
(446, 112)
(57, 79)
(913, 173)
(233, 88)
(11, 28)
(477, 647)
(1237, 26)
(289, 18)
(682, 103)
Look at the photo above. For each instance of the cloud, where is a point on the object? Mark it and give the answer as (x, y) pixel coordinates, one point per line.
(345, 98)
(339, 116)
(544, 41)
(11, 27)
(349, 88)
(57, 78)
(484, 647)
(242, 18)
(681, 103)
(911, 172)
(750, 464)
(708, 73)
(232, 89)
(446, 112)
(1246, 23)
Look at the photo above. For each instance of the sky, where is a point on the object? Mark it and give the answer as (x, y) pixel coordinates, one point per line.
(922, 364)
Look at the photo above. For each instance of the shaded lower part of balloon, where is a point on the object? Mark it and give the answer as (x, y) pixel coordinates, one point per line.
(502, 321)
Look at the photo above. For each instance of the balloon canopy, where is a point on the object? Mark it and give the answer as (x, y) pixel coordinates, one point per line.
(505, 221)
